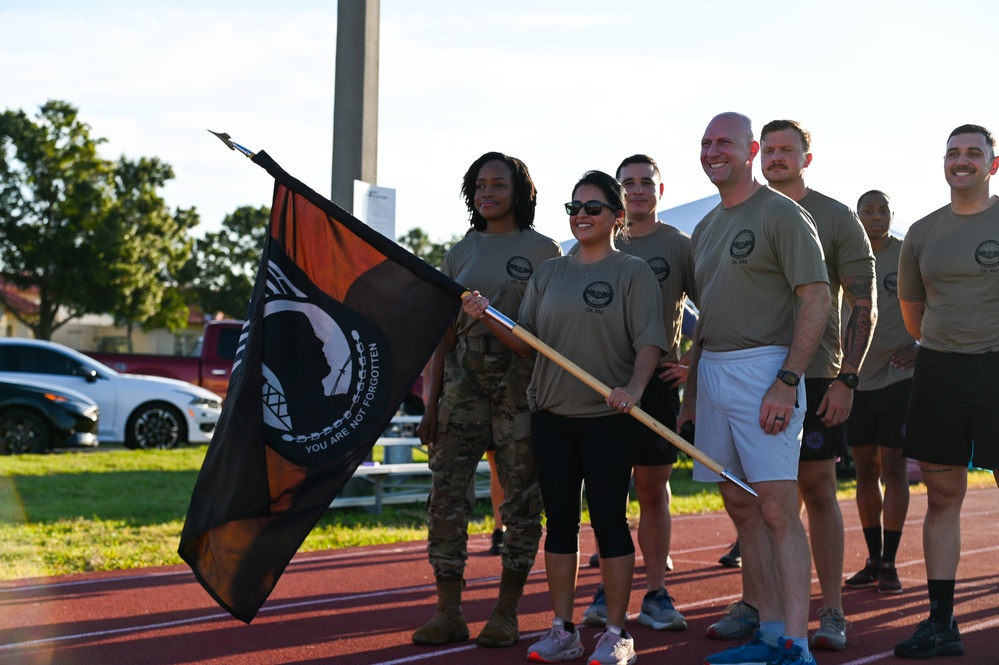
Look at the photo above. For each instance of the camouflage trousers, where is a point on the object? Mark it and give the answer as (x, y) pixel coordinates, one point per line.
(483, 400)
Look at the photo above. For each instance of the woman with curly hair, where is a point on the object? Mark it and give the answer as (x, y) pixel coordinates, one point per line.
(477, 399)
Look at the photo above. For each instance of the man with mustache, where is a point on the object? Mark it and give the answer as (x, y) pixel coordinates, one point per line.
(832, 374)
(764, 298)
(948, 288)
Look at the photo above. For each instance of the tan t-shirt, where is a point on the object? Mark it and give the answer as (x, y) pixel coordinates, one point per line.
(848, 254)
(748, 259)
(667, 251)
(498, 265)
(951, 263)
(890, 335)
(597, 316)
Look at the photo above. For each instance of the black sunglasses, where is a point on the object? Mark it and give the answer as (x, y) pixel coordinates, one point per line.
(592, 208)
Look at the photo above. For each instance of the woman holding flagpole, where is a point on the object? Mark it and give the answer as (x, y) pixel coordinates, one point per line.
(476, 399)
(599, 308)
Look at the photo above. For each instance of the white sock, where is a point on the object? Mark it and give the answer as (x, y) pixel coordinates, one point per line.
(803, 643)
(772, 631)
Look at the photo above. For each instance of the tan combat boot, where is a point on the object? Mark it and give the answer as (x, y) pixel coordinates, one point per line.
(448, 625)
(501, 630)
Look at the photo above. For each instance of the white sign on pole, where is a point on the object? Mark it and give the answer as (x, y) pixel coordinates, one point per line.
(375, 206)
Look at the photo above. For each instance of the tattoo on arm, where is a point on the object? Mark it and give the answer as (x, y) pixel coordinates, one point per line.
(858, 330)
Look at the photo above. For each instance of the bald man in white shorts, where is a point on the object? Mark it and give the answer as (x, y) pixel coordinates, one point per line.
(763, 287)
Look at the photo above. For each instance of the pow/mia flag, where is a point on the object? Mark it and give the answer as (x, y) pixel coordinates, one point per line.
(341, 322)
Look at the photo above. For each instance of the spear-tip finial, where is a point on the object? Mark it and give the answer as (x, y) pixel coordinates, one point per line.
(225, 138)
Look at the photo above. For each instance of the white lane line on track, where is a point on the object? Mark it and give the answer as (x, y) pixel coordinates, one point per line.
(403, 549)
(219, 616)
(981, 625)
(129, 578)
(100, 580)
(271, 607)
(115, 631)
(374, 594)
(448, 651)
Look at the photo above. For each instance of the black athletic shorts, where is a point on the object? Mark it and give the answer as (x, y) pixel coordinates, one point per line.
(662, 403)
(954, 409)
(878, 416)
(819, 442)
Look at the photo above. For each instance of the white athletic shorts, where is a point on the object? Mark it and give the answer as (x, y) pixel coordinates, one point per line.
(730, 389)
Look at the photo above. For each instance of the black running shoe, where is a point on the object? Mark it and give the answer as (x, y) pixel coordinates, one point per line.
(867, 577)
(888, 581)
(733, 559)
(930, 640)
(497, 546)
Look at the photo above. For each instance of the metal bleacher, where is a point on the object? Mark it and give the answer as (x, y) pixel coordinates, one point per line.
(397, 478)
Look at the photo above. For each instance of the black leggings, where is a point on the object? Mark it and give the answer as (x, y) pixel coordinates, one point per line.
(569, 451)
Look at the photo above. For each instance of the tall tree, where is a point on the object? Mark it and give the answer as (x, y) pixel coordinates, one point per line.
(92, 236)
(225, 263)
(142, 247)
(54, 191)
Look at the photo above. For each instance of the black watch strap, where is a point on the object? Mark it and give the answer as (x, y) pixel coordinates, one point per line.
(851, 380)
(788, 377)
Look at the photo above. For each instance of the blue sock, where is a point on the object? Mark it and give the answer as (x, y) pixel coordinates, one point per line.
(772, 631)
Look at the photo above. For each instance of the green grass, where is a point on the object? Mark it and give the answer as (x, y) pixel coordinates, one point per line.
(80, 512)
(115, 509)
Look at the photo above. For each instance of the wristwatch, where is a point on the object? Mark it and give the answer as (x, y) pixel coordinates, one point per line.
(790, 378)
(851, 380)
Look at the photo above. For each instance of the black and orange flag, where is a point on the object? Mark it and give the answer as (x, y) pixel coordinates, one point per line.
(341, 322)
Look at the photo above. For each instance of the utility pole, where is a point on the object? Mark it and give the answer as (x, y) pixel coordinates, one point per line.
(355, 102)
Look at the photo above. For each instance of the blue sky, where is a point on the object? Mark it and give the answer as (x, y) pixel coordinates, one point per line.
(566, 86)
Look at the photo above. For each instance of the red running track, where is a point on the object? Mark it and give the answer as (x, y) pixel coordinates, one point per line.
(359, 606)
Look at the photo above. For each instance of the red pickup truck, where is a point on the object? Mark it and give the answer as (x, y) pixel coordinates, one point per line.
(208, 366)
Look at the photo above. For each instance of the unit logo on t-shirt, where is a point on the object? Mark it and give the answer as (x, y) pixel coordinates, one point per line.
(520, 268)
(660, 267)
(742, 246)
(598, 295)
(987, 255)
(891, 283)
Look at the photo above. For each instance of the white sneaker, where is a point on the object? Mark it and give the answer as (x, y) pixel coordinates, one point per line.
(556, 645)
(613, 649)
